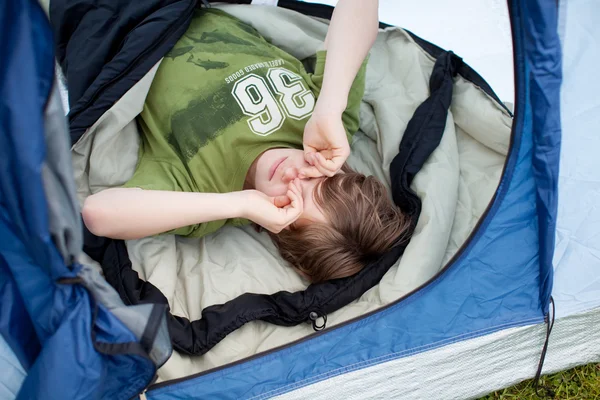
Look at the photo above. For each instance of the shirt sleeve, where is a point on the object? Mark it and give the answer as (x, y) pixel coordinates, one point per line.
(350, 116)
(152, 174)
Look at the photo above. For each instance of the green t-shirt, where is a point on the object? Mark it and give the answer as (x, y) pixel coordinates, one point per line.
(221, 97)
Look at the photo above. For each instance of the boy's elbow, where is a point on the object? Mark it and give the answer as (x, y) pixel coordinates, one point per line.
(95, 217)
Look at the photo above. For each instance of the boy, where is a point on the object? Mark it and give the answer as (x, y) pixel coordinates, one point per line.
(222, 129)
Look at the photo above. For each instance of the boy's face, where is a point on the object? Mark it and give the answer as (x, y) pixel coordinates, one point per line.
(276, 168)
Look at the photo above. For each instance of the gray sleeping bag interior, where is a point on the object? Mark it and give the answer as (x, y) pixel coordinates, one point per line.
(455, 185)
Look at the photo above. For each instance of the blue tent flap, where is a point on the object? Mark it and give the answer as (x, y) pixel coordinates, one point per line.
(69, 345)
(543, 50)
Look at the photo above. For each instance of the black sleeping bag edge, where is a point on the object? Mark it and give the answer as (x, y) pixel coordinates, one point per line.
(101, 67)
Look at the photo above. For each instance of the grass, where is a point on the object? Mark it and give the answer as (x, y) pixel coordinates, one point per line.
(580, 383)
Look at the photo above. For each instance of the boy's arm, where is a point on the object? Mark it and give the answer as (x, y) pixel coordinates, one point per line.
(133, 213)
(351, 34)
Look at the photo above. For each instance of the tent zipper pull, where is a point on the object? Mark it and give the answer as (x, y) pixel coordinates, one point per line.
(314, 317)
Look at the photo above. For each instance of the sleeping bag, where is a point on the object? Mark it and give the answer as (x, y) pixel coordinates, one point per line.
(431, 129)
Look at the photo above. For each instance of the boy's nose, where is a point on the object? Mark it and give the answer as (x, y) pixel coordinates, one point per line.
(290, 174)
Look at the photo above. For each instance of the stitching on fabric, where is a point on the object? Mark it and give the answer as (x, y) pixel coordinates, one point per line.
(406, 35)
(369, 362)
(374, 361)
(387, 357)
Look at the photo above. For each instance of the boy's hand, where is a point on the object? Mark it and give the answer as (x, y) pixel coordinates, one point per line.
(274, 213)
(326, 146)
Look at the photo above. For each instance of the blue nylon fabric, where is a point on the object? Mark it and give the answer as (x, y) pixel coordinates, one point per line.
(124, 375)
(23, 217)
(49, 326)
(15, 325)
(68, 367)
(494, 284)
(544, 51)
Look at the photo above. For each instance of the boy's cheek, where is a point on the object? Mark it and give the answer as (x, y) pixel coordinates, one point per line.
(273, 190)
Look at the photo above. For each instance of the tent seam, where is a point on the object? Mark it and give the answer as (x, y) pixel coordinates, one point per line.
(389, 357)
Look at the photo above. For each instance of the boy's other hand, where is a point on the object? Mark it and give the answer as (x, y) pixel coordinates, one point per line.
(274, 213)
(326, 146)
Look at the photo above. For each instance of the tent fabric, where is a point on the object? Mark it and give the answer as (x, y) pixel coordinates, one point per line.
(545, 64)
(145, 321)
(428, 369)
(482, 36)
(13, 373)
(47, 316)
(467, 369)
(57, 176)
(576, 257)
(23, 227)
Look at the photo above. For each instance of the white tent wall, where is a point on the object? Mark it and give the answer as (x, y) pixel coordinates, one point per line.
(467, 369)
(12, 373)
(577, 251)
(476, 30)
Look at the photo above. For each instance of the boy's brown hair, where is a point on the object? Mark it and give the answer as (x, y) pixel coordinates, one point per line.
(363, 224)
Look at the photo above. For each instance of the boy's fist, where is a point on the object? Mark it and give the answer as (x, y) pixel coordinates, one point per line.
(326, 146)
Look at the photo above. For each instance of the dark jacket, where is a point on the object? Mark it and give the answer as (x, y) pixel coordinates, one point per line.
(105, 46)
